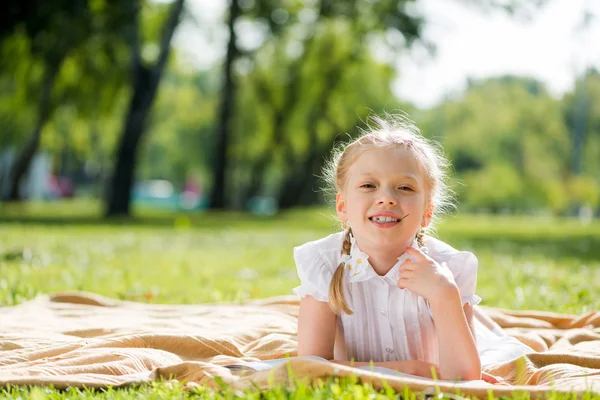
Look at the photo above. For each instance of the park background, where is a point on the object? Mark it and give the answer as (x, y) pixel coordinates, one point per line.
(171, 151)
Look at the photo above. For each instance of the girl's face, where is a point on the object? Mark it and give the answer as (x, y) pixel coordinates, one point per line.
(385, 199)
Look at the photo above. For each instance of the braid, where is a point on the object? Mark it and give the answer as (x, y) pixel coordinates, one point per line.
(337, 301)
(347, 245)
(421, 237)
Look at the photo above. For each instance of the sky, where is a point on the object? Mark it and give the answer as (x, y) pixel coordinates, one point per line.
(470, 42)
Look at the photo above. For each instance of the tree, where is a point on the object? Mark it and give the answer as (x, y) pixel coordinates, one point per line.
(227, 103)
(49, 42)
(53, 35)
(505, 135)
(285, 84)
(182, 127)
(581, 110)
(581, 116)
(145, 80)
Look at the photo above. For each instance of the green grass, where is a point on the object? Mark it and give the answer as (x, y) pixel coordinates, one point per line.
(525, 263)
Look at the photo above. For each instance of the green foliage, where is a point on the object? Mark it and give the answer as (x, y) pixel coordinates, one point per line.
(17, 112)
(180, 138)
(293, 105)
(510, 145)
(584, 190)
(582, 111)
(330, 388)
(85, 42)
(497, 187)
(306, 84)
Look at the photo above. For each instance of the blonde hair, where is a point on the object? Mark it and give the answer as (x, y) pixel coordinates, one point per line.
(391, 131)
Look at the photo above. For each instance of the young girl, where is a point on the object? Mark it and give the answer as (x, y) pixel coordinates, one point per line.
(382, 291)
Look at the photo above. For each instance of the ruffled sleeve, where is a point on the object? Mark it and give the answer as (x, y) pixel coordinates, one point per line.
(315, 274)
(464, 267)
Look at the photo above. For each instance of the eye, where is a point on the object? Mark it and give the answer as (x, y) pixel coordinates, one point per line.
(367, 186)
(406, 188)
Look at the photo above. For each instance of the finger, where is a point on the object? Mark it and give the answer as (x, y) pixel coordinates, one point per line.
(489, 378)
(403, 283)
(407, 274)
(417, 255)
(408, 265)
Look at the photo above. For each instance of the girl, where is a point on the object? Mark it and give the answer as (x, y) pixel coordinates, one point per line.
(382, 291)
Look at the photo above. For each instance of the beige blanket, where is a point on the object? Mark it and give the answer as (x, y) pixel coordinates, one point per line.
(82, 339)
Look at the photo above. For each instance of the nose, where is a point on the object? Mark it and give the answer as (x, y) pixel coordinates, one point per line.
(386, 197)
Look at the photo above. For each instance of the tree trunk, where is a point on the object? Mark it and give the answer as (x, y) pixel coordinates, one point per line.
(260, 167)
(145, 85)
(24, 159)
(217, 200)
(580, 115)
(296, 183)
(294, 190)
(256, 178)
(291, 91)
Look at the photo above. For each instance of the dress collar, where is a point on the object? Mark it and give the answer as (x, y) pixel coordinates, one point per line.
(358, 268)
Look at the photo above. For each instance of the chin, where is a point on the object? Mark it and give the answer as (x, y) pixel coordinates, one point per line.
(387, 241)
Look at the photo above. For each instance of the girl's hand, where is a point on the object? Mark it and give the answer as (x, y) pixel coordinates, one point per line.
(419, 368)
(491, 378)
(424, 276)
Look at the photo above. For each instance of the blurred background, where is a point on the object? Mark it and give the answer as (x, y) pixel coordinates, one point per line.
(170, 150)
(191, 105)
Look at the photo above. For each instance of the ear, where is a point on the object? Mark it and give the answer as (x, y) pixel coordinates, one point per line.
(340, 207)
(427, 215)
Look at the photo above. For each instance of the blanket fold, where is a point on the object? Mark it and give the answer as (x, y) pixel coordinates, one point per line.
(87, 340)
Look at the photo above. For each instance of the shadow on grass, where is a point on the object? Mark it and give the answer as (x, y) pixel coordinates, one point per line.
(318, 220)
(585, 248)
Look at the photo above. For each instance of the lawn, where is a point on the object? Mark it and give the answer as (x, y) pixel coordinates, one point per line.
(538, 263)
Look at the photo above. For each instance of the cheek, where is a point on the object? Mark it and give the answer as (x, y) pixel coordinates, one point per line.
(363, 202)
(415, 205)
(357, 204)
(413, 201)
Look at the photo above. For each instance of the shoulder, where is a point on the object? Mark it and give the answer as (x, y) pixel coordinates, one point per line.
(316, 263)
(325, 251)
(439, 250)
(458, 261)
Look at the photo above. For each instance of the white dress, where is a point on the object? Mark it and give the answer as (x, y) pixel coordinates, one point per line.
(389, 323)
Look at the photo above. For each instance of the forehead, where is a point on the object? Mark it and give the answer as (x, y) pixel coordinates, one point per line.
(388, 160)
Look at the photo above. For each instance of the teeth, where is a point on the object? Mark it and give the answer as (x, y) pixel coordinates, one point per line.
(384, 219)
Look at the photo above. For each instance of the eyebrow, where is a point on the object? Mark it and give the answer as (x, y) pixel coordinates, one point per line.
(409, 176)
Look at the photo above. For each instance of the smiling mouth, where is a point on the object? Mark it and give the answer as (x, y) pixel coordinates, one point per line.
(388, 220)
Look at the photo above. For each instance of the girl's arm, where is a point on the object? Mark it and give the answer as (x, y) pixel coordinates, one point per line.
(458, 354)
(317, 325)
(468, 309)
